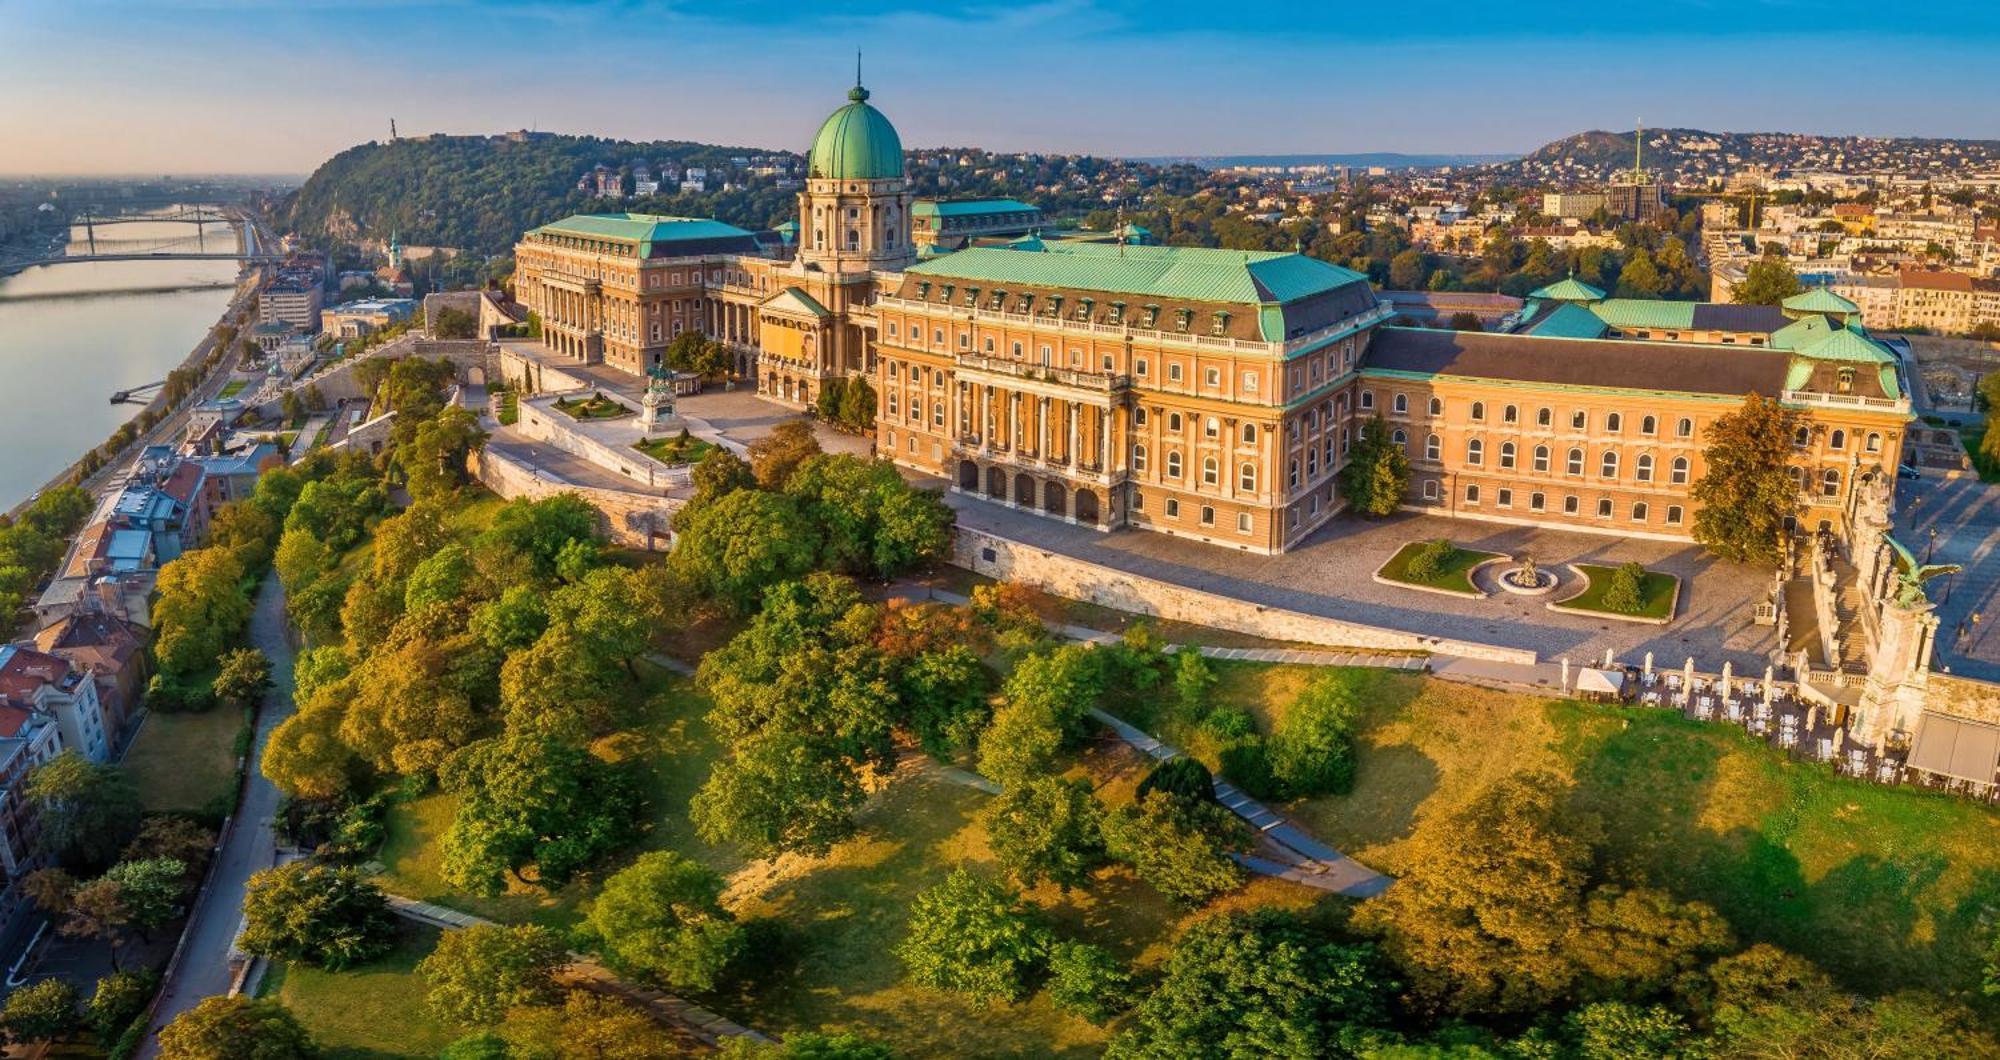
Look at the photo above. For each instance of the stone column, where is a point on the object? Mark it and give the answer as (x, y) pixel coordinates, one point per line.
(1898, 673)
(1072, 412)
(1042, 432)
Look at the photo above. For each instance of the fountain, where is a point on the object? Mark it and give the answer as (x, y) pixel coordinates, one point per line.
(1527, 579)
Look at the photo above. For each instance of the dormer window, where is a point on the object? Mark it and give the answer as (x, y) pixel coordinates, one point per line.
(1027, 303)
(1055, 305)
(944, 293)
(1221, 324)
(1083, 307)
(999, 299)
(971, 296)
(1186, 319)
(1846, 380)
(923, 289)
(1152, 316)
(1117, 312)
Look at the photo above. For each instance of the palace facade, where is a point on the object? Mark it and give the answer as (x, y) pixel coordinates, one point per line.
(1211, 394)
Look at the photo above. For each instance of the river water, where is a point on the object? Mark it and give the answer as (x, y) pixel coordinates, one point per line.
(61, 357)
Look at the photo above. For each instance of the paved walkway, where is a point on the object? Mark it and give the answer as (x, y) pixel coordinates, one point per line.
(1966, 515)
(700, 1023)
(202, 968)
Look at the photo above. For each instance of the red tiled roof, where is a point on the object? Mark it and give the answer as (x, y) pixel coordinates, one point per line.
(1931, 279)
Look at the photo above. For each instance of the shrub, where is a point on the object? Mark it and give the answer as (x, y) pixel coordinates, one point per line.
(1312, 752)
(1229, 724)
(1047, 828)
(1626, 592)
(1247, 764)
(1429, 561)
(1184, 778)
(1179, 847)
(973, 937)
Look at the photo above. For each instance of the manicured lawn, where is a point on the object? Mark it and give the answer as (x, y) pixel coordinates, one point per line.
(1885, 887)
(510, 408)
(185, 761)
(373, 1011)
(594, 407)
(233, 388)
(1455, 576)
(674, 450)
(1656, 593)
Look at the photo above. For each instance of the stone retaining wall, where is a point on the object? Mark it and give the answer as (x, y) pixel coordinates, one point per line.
(998, 557)
(556, 430)
(630, 520)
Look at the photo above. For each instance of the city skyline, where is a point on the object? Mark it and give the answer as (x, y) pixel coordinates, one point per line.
(185, 87)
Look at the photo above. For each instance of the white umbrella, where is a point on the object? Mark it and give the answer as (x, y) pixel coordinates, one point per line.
(1607, 658)
(1565, 679)
(1728, 669)
(1687, 683)
(1768, 673)
(1649, 664)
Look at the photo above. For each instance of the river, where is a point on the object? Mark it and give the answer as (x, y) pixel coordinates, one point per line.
(61, 357)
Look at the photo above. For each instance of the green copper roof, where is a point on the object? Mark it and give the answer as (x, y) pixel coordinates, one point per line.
(1569, 289)
(1820, 300)
(856, 143)
(642, 229)
(794, 300)
(969, 207)
(1645, 313)
(1197, 274)
(1570, 321)
(1801, 333)
(1845, 345)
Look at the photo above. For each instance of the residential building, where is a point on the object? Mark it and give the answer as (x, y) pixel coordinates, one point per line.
(1574, 205)
(353, 320)
(41, 683)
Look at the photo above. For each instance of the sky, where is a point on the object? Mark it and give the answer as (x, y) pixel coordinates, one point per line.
(276, 86)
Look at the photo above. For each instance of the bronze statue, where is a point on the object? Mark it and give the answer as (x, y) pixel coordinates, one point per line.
(1911, 575)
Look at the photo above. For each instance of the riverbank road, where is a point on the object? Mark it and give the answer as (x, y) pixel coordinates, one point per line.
(202, 969)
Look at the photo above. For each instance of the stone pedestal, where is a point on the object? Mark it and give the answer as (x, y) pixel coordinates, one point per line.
(656, 408)
(1898, 673)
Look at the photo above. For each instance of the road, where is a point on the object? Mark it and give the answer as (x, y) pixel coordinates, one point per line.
(203, 970)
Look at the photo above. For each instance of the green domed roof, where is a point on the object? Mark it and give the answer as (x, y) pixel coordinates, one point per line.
(856, 143)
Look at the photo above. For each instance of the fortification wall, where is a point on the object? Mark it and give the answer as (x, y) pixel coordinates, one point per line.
(629, 520)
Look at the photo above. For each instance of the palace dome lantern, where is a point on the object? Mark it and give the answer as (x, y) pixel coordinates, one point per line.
(856, 142)
(854, 215)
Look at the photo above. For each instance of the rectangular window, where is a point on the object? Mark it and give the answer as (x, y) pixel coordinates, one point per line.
(1504, 498)
(1173, 508)
(1242, 522)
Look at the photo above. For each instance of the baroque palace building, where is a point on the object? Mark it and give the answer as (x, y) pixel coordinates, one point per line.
(1212, 394)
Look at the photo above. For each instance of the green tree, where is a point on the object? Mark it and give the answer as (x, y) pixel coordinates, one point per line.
(1627, 589)
(1746, 492)
(1256, 984)
(42, 1011)
(1312, 751)
(806, 1045)
(1377, 475)
(870, 520)
(1047, 828)
(150, 889)
(1194, 679)
(318, 914)
(244, 677)
(239, 1028)
(1021, 743)
(857, 405)
(1087, 981)
(87, 811)
(1407, 270)
(513, 621)
(475, 975)
(1768, 281)
(779, 791)
(540, 530)
(1185, 779)
(743, 543)
(529, 799)
(975, 937)
(1179, 847)
(201, 608)
(718, 473)
(662, 918)
(1640, 278)
(118, 1000)
(831, 393)
(943, 694)
(433, 460)
(454, 323)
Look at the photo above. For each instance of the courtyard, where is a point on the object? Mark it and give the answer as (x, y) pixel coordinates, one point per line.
(1329, 575)
(1965, 512)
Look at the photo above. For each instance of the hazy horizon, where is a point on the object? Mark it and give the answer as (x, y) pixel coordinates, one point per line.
(229, 87)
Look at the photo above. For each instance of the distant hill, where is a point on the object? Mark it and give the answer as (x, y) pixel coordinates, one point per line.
(479, 193)
(1695, 155)
(1364, 160)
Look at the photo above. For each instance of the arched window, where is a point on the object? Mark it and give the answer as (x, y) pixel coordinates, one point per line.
(1400, 403)
(1639, 512)
(1249, 434)
(1507, 455)
(1246, 477)
(1292, 473)
(1210, 474)
(1874, 442)
(1138, 457)
(1139, 416)
(1673, 515)
(1642, 468)
(1437, 407)
(1479, 410)
(1510, 414)
(1614, 422)
(1537, 502)
(1475, 452)
(1684, 429)
(1367, 399)
(1679, 475)
(1432, 448)
(1174, 422)
(1802, 437)
(1573, 463)
(1604, 507)
(1173, 465)
(1607, 467)
(1829, 482)
(1541, 458)
(1649, 425)
(1837, 440)
(1545, 417)
(1211, 427)
(1399, 437)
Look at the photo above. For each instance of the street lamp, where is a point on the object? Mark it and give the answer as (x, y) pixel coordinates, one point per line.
(1931, 547)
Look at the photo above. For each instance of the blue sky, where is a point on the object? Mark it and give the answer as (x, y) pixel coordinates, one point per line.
(242, 85)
